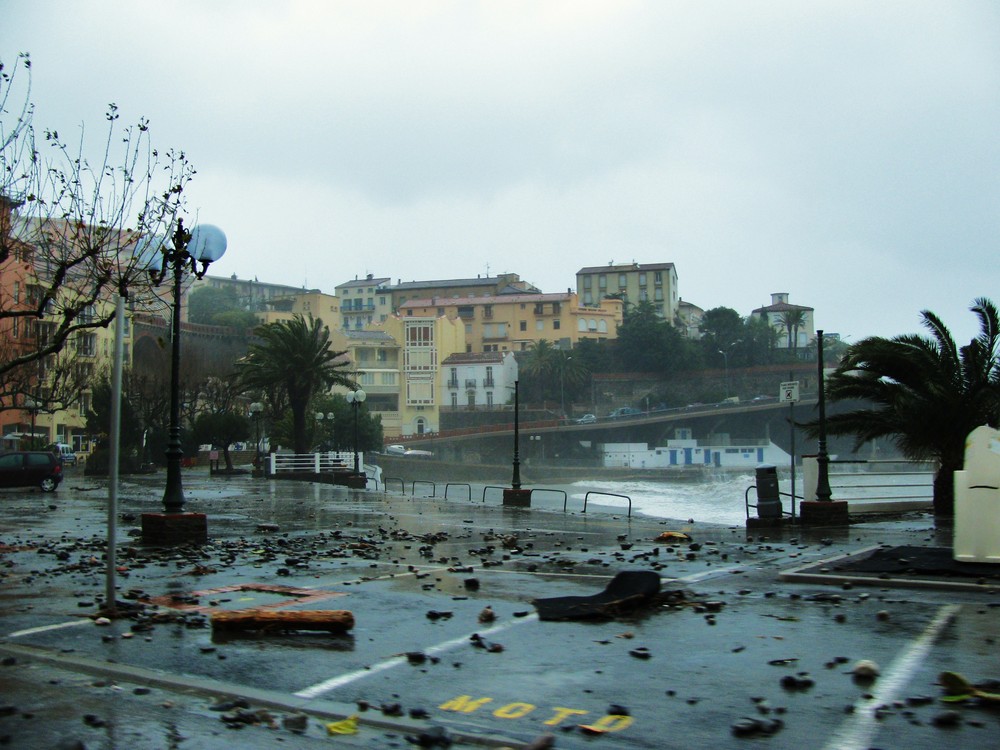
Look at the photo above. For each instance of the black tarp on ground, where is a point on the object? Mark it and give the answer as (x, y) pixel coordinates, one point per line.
(627, 591)
(917, 562)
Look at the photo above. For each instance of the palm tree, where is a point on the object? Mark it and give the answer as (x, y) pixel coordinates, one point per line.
(926, 394)
(541, 363)
(791, 321)
(294, 356)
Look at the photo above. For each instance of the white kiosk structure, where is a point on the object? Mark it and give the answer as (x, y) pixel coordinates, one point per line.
(977, 499)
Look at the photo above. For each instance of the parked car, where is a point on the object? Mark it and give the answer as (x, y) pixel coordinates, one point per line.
(587, 419)
(625, 411)
(395, 450)
(64, 452)
(30, 469)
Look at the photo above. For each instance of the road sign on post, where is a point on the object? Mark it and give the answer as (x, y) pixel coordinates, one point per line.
(788, 393)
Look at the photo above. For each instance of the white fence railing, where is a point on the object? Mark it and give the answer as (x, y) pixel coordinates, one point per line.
(316, 463)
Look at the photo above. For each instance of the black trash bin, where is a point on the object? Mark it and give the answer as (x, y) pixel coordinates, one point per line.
(768, 496)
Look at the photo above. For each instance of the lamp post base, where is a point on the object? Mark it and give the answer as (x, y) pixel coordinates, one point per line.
(351, 480)
(518, 498)
(172, 529)
(823, 513)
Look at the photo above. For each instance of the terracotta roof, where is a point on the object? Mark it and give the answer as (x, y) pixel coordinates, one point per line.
(474, 358)
(491, 300)
(622, 267)
(364, 282)
(783, 307)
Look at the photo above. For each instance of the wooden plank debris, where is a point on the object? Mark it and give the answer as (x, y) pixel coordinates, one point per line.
(280, 620)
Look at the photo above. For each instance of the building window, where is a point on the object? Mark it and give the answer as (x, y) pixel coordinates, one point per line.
(586, 282)
(367, 378)
(539, 325)
(642, 278)
(602, 326)
(658, 293)
(381, 355)
(602, 282)
(556, 325)
(658, 277)
(86, 344)
(622, 281)
(523, 325)
(489, 399)
(581, 324)
(454, 400)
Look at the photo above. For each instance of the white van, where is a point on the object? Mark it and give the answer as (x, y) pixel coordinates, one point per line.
(64, 452)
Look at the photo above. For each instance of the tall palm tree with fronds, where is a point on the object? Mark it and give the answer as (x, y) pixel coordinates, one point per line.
(792, 321)
(541, 362)
(295, 356)
(926, 394)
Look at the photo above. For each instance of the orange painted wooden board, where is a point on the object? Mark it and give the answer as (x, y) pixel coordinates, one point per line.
(332, 620)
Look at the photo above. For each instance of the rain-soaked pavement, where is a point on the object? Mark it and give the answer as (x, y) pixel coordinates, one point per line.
(447, 648)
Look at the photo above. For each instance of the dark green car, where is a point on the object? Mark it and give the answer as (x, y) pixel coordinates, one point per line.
(30, 469)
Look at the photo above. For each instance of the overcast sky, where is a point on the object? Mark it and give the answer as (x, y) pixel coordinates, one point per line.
(844, 152)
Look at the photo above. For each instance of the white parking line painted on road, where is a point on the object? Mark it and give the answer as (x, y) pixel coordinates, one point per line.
(345, 679)
(859, 731)
(46, 628)
(333, 683)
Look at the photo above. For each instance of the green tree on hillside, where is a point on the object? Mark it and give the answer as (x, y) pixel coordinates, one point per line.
(648, 343)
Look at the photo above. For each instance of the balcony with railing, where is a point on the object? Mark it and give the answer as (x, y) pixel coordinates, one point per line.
(453, 382)
(470, 383)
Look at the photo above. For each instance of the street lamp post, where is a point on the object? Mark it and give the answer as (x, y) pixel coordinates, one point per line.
(32, 406)
(205, 244)
(725, 361)
(355, 399)
(823, 492)
(562, 389)
(255, 410)
(320, 416)
(516, 495)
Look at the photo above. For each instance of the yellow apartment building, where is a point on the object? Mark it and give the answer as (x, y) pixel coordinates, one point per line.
(515, 322)
(655, 283)
(425, 342)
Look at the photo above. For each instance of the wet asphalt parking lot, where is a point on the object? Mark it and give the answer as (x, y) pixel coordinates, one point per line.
(447, 646)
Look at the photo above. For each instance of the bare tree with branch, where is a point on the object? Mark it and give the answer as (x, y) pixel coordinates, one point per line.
(69, 227)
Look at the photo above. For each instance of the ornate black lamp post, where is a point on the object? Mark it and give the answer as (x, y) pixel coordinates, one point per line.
(516, 495)
(355, 399)
(204, 245)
